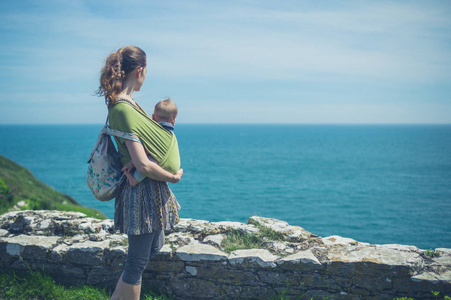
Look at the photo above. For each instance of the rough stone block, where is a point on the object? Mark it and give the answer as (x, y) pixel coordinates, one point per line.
(343, 282)
(194, 288)
(432, 277)
(260, 257)
(191, 270)
(320, 294)
(444, 250)
(58, 252)
(21, 264)
(214, 240)
(275, 246)
(408, 285)
(244, 228)
(103, 275)
(166, 253)
(186, 225)
(246, 292)
(442, 262)
(361, 292)
(338, 240)
(165, 266)
(200, 252)
(219, 273)
(372, 281)
(115, 257)
(315, 281)
(377, 255)
(292, 233)
(281, 279)
(179, 238)
(30, 247)
(303, 260)
(398, 247)
(14, 249)
(66, 274)
(86, 253)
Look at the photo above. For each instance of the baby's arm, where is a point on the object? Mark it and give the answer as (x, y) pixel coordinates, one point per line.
(138, 176)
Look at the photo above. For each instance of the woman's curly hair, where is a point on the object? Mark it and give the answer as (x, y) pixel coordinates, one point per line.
(117, 66)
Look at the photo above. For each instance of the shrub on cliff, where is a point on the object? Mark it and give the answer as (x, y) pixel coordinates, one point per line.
(18, 184)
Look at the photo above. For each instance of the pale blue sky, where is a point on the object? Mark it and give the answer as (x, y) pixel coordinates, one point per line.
(232, 61)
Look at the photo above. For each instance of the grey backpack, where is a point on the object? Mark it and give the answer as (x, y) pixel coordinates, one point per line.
(104, 169)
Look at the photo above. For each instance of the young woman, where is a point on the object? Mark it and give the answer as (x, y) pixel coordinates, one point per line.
(143, 211)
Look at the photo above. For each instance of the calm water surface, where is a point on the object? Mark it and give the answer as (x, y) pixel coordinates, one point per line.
(377, 184)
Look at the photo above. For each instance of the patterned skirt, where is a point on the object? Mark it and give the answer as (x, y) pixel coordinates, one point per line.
(144, 207)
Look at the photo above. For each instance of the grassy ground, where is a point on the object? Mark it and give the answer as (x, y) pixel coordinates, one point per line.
(236, 240)
(39, 286)
(18, 184)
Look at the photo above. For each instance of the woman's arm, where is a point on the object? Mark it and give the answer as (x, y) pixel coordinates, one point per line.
(147, 167)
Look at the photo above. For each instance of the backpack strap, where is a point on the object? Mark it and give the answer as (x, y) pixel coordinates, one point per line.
(106, 130)
(114, 132)
(124, 135)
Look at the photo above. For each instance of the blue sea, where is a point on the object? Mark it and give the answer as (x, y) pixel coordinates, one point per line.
(374, 183)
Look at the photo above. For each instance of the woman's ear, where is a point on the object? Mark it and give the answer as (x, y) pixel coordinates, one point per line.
(139, 71)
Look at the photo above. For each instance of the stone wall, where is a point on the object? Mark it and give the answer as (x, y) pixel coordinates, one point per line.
(193, 263)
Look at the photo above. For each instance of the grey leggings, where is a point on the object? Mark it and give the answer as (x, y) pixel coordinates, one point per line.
(141, 248)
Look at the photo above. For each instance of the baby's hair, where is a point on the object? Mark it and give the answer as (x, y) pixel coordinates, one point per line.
(166, 110)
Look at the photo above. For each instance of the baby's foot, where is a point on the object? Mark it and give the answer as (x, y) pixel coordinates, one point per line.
(131, 180)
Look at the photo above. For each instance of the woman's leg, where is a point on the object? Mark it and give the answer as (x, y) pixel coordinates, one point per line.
(140, 249)
(125, 291)
(157, 243)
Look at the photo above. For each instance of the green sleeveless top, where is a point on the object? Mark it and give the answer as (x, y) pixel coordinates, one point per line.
(157, 141)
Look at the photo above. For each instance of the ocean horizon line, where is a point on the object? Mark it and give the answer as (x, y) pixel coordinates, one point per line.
(232, 124)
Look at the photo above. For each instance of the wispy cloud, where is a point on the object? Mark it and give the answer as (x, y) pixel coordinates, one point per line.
(220, 50)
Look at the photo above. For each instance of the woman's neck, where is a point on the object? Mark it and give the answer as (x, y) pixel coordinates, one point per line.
(126, 94)
(128, 87)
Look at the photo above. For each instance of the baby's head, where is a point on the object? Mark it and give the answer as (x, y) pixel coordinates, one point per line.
(165, 111)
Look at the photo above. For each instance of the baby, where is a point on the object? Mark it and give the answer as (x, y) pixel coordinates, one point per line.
(165, 113)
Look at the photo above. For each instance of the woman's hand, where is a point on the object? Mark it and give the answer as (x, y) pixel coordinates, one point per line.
(177, 176)
(128, 167)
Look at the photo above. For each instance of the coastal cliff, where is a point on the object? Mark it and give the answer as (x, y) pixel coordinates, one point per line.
(20, 190)
(224, 260)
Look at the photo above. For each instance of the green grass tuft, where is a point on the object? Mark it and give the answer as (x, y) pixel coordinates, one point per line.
(39, 286)
(267, 233)
(236, 240)
(149, 294)
(432, 253)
